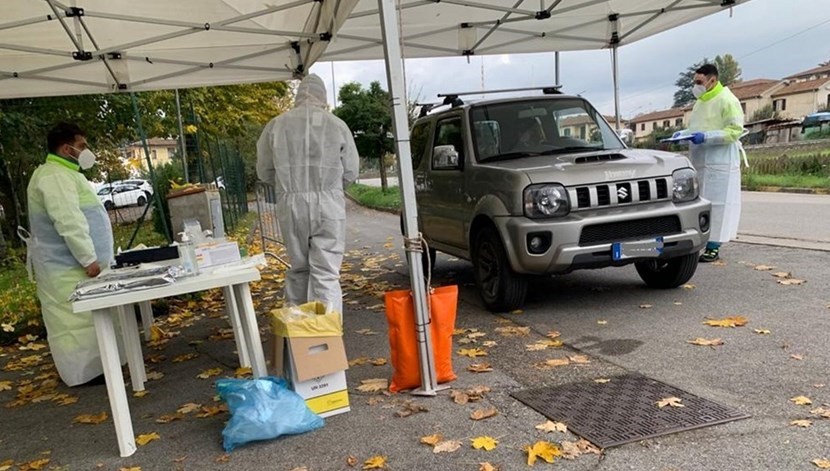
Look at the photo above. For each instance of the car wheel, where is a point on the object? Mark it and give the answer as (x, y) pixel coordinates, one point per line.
(141, 201)
(669, 273)
(500, 287)
(108, 205)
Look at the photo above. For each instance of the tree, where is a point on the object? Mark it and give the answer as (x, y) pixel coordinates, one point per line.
(367, 113)
(728, 72)
(824, 64)
(765, 112)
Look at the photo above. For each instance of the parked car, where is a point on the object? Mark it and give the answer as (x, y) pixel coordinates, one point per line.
(139, 182)
(113, 196)
(220, 182)
(542, 185)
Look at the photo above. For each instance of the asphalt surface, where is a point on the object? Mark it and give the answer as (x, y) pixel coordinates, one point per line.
(598, 314)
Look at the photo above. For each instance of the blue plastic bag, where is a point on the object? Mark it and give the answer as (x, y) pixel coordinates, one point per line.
(262, 409)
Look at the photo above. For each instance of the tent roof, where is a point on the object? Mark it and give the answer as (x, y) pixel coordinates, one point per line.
(65, 47)
(434, 28)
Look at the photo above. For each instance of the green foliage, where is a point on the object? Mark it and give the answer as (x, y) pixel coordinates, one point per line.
(367, 113)
(19, 307)
(376, 198)
(816, 165)
(164, 175)
(728, 72)
(765, 112)
(756, 182)
(818, 134)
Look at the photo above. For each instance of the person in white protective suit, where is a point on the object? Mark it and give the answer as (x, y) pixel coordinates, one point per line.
(71, 240)
(309, 155)
(715, 129)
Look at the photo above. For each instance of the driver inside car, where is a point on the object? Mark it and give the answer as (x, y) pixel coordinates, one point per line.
(531, 136)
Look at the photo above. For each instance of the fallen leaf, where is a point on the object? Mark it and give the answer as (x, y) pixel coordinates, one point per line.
(486, 466)
(782, 274)
(802, 423)
(155, 375)
(472, 352)
(801, 400)
(141, 393)
(718, 263)
(366, 332)
(489, 343)
(480, 414)
(459, 397)
(188, 408)
(762, 331)
(7, 328)
(542, 449)
(763, 267)
(573, 450)
(669, 401)
(36, 464)
(5, 385)
(410, 408)
(378, 361)
(821, 412)
(91, 419)
(375, 462)
(553, 334)
(791, 282)
(551, 426)
(602, 322)
(677, 303)
(223, 458)
(185, 357)
(689, 286)
(822, 463)
(179, 459)
(554, 362)
(209, 373)
(796, 356)
(432, 440)
(132, 468)
(6, 465)
(818, 385)
(705, 342)
(210, 411)
(146, 438)
(602, 380)
(300, 468)
(513, 331)
(243, 372)
(485, 442)
(373, 385)
(646, 306)
(517, 311)
(734, 321)
(475, 335)
(351, 460)
(359, 361)
(447, 446)
(167, 418)
(480, 368)
(579, 359)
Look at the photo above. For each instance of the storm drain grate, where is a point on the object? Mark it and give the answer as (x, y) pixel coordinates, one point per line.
(624, 409)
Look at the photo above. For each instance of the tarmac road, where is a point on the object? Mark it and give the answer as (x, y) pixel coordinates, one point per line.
(752, 372)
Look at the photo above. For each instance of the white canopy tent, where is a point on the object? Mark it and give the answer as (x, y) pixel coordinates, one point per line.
(53, 47)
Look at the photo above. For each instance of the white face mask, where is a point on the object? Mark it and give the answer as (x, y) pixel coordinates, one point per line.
(698, 90)
(86, 159)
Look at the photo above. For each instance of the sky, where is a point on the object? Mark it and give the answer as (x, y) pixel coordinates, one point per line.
(769, 38)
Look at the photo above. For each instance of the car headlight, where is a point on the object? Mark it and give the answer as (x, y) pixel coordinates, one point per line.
(546, 200)
(686, 186)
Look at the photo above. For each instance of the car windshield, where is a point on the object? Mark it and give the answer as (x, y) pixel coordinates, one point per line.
(503, 131)
(104, 191)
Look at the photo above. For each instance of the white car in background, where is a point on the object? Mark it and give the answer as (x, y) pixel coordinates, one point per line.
(116, 196)
(139, 182)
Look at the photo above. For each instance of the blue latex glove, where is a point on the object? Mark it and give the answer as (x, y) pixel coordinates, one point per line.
(698, 138)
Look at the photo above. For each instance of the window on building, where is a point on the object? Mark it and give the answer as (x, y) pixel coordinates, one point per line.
(743, 107)
(666, 123)
(828, 101)
(780, 104)
(567, 132)
(678, 122)
(654, 125)
(582, 132)
(643, 127)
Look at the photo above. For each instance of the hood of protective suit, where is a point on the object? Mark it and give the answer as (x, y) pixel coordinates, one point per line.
(311, 92)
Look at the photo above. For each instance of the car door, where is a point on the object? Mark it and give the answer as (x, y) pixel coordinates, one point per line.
(445, 217)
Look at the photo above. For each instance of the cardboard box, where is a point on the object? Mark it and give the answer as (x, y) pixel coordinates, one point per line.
(315, 367)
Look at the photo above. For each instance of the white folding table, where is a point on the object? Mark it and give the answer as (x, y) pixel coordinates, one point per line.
(240, 309)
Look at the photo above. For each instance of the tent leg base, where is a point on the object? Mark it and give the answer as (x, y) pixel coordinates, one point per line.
(431, 393)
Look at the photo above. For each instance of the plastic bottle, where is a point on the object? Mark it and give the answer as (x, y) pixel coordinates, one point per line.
(187, 254)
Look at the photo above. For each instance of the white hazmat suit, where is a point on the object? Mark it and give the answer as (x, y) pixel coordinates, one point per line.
(309, 155)
(70, 230)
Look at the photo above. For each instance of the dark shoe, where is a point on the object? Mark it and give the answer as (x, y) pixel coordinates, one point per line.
(709, 255)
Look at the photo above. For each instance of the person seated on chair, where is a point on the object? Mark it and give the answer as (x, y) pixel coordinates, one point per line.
(531, 136)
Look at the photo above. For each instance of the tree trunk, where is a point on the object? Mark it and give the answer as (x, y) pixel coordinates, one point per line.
(382, 155)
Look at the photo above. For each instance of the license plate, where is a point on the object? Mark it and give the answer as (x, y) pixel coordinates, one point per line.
(637, 249)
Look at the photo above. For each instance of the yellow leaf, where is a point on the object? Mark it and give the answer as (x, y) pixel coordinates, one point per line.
(188, 408)
(801, 400)
(517, 311)
(432, 440)
(762, 331)
(359, 361)
(146, 438)
(243, 372)
(802, 423)
(734, 321)
(480, 414)
(378, 361)
(90, 419)
(669, 401)
(705, 343)
(133, 468)
(373, 385)
(157, 334)
(550, 426)
(602, 322)
(689, 286)
(375, 462)
(485, 442)
(185, 357)
(472, 352)
(822, 463)
(447, 446)
(7, 328)
(36, 464)
(579, 359)
(209, 373)
(5, 385)
(483, 367)
(486, 466)
(6, 465)
(141, 393)
(542, 449)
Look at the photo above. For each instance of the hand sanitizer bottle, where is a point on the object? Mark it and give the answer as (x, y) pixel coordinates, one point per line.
(187, 255)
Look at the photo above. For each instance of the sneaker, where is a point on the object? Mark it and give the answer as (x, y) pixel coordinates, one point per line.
(709, 255)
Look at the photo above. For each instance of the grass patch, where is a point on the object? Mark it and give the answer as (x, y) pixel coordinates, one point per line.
(19, 307)
(147, 235)
(753, 182)
(375, 197)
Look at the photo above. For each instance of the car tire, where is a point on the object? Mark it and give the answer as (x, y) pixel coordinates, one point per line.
(141, 201)
(499, 286)
(668, 273)
(108, 205)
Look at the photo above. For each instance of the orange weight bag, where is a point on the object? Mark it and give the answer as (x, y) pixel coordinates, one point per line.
(403, 342)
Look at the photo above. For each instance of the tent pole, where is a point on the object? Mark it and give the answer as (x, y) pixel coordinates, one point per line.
(400, 122)
(167, 234)
(616, 66)
(556, 70)
(181, 137)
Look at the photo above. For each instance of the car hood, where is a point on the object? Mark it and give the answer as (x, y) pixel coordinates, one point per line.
(594, 167)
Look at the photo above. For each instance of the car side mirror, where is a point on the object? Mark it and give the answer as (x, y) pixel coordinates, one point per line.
(445, 157)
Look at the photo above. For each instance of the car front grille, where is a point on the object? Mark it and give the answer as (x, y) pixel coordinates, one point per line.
(629, 230)
(619, 193)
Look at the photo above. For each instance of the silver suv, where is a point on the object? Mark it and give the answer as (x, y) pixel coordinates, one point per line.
(543, 185)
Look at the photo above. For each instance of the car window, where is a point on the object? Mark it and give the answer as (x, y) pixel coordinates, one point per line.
(448, 147)
(418, 139)
(104, 191)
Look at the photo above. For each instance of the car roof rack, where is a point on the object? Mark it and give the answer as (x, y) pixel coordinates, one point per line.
(547, 90)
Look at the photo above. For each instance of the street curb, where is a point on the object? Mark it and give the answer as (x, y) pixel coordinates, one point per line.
(782, 189)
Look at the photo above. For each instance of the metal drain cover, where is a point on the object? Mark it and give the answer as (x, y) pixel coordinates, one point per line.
(624, 409)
